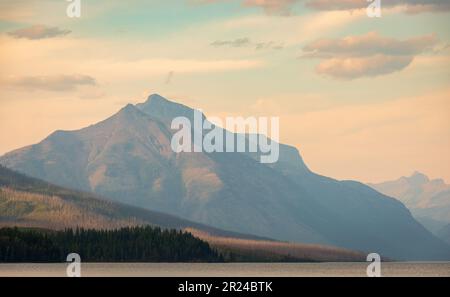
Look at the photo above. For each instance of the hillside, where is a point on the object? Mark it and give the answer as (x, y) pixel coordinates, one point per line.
(29, 202)
(276, 251)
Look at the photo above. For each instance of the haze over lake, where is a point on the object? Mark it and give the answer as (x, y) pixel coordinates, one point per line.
(414, 269)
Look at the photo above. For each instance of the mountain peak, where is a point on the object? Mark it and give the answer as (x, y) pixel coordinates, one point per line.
(418, 177)
(156, 99)
(128, 112)
(155, 103)
(128, 109)
(163, 109)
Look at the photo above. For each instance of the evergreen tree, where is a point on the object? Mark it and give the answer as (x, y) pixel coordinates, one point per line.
(130, 244)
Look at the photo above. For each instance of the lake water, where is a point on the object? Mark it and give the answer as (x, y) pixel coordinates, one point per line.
(228, 269)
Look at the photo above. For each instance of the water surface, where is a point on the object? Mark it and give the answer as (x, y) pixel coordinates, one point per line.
(228, 269)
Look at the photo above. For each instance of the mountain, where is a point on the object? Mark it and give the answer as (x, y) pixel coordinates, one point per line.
(428, 199)
(417, 191)
(31, 203)
(128, 158)
(444, 233)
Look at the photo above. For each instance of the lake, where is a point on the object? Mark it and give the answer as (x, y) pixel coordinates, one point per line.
(229, 269)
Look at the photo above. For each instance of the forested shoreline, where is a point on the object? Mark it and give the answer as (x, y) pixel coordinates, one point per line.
(129, 244)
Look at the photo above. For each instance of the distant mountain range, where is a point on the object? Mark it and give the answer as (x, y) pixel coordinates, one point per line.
(428, 199)
(128, 158)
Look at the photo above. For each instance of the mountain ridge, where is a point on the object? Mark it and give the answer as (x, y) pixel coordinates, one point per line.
(428, 199)
(128, 158)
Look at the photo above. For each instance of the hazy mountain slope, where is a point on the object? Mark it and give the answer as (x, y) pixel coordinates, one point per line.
(444, 233)
(417, 191)
(30, 202)
(383, 217)
(428, 200)
(128, 158)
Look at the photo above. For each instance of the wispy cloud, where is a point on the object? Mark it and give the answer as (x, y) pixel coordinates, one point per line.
(246, 42)
(38, 32)
(351, 68)
(410, 6)
(272, 7)
(366, 55)
(239, 42)
(55, 83)
(369, 44)
(284, 7)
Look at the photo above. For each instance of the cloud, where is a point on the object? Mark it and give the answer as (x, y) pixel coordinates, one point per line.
(366, 55)
(410, 6)
(268, 45)
(246, 42)
(369, 44)
(284, 7)
(272, 6)
(38, 32)
(351, 68)
(240, 42)
(55, 83)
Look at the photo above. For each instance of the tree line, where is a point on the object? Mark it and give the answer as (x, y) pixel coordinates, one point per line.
(129, 244)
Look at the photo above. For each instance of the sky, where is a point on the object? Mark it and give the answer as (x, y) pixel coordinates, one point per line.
(361, 98)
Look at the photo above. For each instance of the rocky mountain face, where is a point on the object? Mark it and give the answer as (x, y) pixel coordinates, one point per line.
(128, 158)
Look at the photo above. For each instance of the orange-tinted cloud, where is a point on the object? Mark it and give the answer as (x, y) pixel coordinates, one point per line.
(366, 55)
(351, 68)
(52, 83)
(410, 6)
(272, 6)
(279, 7)
(38, 32)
